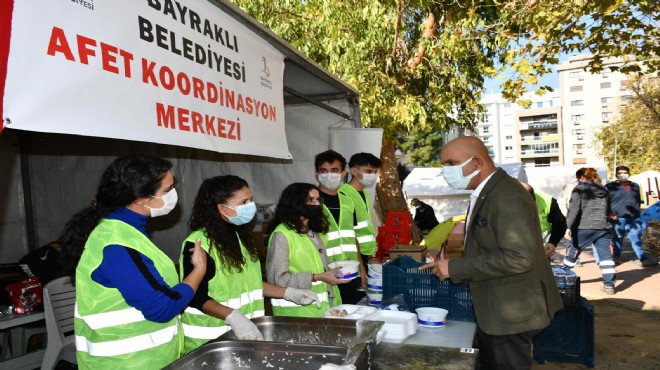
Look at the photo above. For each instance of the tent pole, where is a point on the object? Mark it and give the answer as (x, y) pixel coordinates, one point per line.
(27, 190)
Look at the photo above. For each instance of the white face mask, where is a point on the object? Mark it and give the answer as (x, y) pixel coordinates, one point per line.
(622, 177)
(169, 202)
(368, 179)
(454, 175)
(330, 181)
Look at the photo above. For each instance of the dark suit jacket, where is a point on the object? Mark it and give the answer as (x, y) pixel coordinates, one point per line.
(512, 285)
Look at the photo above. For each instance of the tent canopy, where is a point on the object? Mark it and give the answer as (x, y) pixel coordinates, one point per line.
(428, 185)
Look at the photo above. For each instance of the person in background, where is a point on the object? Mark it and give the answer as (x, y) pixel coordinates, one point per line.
(553, 222)
(339, 211)
(424, 216)
(297, 254)
(513, 289)
(626, 200)
(364, 169)
(128, 295)
(565, 200)
(232, 290)
(590, 209)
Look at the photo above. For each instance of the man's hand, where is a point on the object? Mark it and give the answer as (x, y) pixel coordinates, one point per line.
(549, 249)
(567, 235)
(440, 268)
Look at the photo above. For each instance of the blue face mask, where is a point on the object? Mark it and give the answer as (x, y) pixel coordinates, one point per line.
(244, 213)
(454, 175)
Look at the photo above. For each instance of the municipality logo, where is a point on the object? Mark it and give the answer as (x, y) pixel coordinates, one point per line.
(265, 74)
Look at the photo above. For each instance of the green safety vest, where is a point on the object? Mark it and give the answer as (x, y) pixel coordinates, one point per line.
(543, 202)
(364, 230)
(304, 257)
(240, 290)
(340, 239)
(110, 334)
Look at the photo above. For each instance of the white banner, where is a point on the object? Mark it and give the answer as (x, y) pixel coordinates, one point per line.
(177, 72)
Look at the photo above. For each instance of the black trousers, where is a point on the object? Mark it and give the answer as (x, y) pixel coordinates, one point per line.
(505, 352)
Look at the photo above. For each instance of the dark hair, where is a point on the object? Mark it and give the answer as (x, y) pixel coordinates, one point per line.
(126, 179)
(619, 168)
(223, 236)
(365, 159)
(329, 156)
(292, 206)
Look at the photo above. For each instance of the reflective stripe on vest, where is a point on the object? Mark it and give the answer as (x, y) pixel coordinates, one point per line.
(303, 257)
(109, 331)
(108, 319)
(340, 239)
(128, 345)
(211, 332)
(276, 302)
(364, 230)
(240, 290)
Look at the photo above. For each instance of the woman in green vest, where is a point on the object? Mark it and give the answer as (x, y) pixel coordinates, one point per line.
(296, 252)
(128, 295)
(232, 291)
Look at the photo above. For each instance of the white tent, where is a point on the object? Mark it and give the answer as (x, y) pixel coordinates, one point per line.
(649, 181)
(428, 185)
(550, 180)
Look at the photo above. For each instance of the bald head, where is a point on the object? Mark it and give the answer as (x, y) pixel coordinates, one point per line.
(462, 149)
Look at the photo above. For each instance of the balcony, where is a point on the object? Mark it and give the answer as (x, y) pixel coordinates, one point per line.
(540, 125)
(530, 153)
(540, 139)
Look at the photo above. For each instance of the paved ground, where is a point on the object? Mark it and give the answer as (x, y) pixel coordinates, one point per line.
(627, 323)
(636, 286)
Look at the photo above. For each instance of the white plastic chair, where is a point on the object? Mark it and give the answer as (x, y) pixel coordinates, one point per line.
(59, 302)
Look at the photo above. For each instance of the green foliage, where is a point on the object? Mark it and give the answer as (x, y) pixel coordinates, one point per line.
(627, 29)
(422, 147)
(637, 130)
(371, 44)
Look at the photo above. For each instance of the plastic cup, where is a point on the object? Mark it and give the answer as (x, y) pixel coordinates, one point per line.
(431, 316)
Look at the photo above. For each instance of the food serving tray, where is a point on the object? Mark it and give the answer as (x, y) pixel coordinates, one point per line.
(229, 355)
(357, 338)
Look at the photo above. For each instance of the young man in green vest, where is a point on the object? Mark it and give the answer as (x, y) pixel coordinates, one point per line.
(553, 222)
(364, 169)
(339, 210)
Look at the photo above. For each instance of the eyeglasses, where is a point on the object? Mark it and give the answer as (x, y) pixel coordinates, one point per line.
(318, 200)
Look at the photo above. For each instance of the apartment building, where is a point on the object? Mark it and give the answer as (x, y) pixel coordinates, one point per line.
(588, 102)
(530, 135)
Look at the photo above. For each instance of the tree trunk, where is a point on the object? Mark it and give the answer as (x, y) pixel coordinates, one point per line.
(390, 194)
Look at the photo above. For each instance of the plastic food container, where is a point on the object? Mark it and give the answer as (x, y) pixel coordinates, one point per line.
(374, 297)
(348, 271)
(431, 317)
(398, 325)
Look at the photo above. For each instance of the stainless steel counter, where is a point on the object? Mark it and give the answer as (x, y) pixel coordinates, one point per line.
(304, 343)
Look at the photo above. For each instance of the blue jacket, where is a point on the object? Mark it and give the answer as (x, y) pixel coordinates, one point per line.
(625, 203)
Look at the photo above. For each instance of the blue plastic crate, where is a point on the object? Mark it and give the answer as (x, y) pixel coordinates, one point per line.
(569, 338)
(423, 289)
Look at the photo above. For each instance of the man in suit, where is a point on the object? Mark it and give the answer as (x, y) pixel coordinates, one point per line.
(513, 289)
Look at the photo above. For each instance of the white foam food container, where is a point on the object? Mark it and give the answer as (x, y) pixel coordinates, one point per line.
(354, 312)
(398, 326)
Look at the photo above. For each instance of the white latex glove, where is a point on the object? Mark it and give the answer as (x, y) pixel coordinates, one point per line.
(243, 327)
(302, 297)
